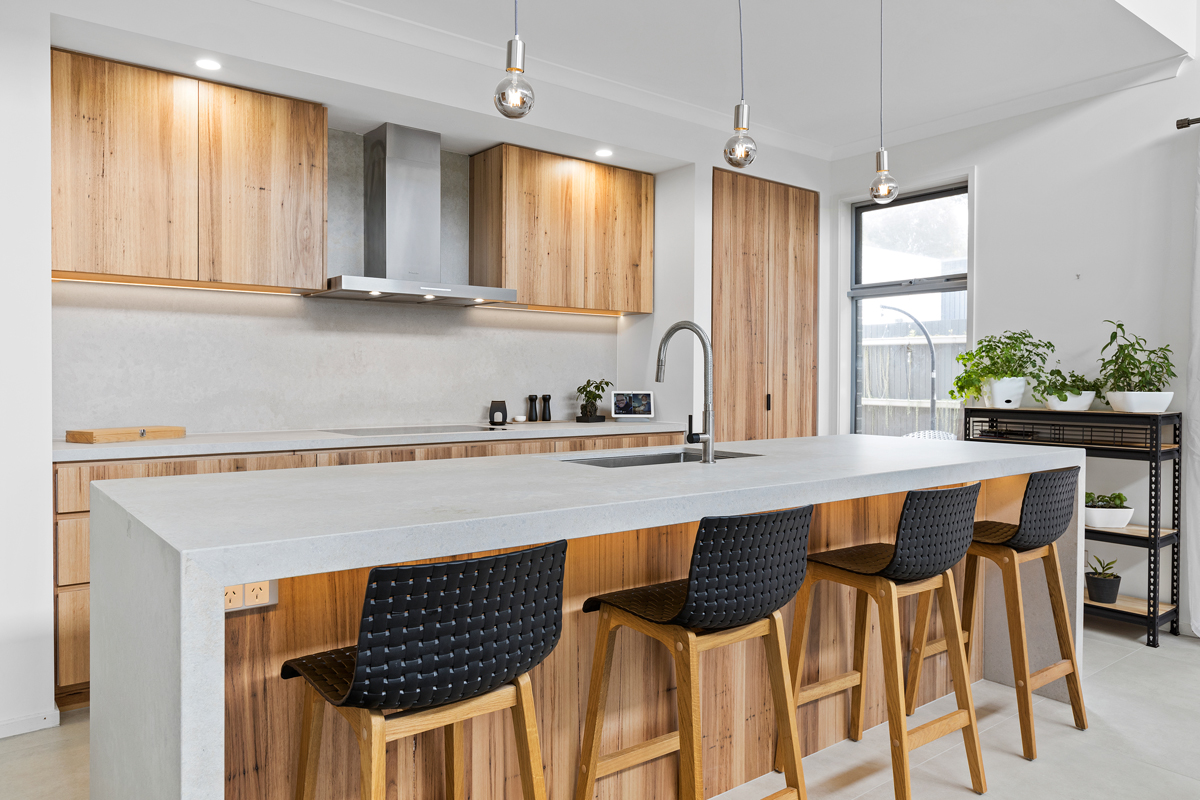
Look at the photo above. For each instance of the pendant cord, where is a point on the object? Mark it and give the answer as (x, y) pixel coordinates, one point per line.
(880, 74)
(517, 30)
(742, 50)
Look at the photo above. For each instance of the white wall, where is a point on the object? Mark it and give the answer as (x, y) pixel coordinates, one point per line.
(26, 604)
(1081, 213)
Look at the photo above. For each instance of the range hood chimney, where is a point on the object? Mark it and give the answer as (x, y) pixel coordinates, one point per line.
(402, 226)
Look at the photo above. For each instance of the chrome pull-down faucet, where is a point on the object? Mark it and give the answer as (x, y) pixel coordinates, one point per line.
(706, 436)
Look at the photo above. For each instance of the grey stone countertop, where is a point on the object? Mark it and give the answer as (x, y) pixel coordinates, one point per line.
(281, 523)
(207, 444)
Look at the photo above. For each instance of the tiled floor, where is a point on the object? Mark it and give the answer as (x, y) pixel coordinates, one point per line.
(1144, 740)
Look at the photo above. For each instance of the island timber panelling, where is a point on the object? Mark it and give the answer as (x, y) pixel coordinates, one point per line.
(318, 612)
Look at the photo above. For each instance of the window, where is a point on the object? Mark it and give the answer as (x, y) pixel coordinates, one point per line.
(910, 258)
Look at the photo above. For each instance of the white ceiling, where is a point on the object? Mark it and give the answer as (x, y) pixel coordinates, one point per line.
(811, 67)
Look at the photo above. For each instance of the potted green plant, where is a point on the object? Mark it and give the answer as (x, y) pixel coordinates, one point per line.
(1070, 392)
(592, 392)
(1106, 510)
(1135, 376)
(1103, 584)
(998, 369)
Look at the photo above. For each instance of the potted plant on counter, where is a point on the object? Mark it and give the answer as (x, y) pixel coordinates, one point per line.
(591, 392)
(1103, 584)
(1071, 392)
(1106, 510)
(1135, 377)
(998, 369)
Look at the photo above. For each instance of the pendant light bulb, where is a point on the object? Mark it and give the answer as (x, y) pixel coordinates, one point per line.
(741, 149)
(514, 95)
(884, 188)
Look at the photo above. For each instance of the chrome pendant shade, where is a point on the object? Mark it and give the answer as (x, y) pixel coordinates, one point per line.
(884, 188)
(741, 149)
(514, 95)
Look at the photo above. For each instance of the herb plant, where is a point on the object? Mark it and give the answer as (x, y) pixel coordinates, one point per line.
(1010, 355)
(1102, 568)
(1055, 384)
(592, 392)
(1114, 500)
(1132, 366)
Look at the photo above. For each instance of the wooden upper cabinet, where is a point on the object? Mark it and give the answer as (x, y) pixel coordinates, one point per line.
(123, 164)
(562, 232)
(262, 188)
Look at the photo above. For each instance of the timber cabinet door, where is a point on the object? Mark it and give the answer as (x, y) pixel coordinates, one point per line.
(262, 188)
(764, 308)
(123, 169)
(564, 233)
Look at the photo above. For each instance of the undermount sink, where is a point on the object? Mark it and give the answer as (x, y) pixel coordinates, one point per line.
(648, 459)
(408, 429)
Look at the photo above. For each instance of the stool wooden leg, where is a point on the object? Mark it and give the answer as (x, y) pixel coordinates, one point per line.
(1062, 625)
(785, 706)
(969, 598)
(372, 754)
(456, 774)
(858, 694)
(593, 726)
(797, 652)
(960, 672)
(916, 657)
(529, 748)
(1014, 604)
(687, 682)
(311, 721)
(893, 677)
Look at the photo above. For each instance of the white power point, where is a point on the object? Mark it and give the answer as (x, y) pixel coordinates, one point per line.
(251, 595)
(233, 597)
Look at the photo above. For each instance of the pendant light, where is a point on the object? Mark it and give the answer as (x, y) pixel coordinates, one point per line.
(884, 188)
(514, 95)
(741, 149)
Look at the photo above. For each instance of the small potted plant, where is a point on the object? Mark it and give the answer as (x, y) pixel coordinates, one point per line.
(591, 392)
(1071, 392)
(1135, 377)
(998, 369)
(1103, 584)
(1106, 510)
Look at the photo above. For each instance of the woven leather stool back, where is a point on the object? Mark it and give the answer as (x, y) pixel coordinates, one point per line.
(744, 568)
(438, 633)
(935, 530)
(1047, 508)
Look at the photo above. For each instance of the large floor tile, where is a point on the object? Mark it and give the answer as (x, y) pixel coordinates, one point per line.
(1101, 653)
(50, 764)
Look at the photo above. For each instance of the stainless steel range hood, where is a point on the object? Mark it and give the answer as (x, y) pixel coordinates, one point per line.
(402, 183)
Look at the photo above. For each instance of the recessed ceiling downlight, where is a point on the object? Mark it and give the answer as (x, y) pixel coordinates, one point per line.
(604, 152)
(208, 63)
(374, 294)
(429, 297)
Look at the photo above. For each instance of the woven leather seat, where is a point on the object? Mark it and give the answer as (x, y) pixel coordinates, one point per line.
(865, 559)
(439, 636)
(743, 570)
(994, 532)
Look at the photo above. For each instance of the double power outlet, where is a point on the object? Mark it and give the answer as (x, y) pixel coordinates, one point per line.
(251, 595)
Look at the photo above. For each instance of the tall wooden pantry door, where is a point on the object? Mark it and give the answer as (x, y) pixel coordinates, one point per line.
(764, 308)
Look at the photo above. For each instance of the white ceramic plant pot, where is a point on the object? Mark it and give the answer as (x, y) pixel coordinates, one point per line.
(1074, 402)
(1140, 402)
(1107, 517)
(1003, 392)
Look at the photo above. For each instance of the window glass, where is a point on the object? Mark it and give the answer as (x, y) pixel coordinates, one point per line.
(921, 239)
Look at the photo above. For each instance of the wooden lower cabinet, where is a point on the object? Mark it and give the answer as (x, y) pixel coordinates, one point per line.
(71, 502)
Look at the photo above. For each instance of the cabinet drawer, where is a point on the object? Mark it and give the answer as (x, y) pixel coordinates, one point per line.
(72, 483)
(74, 647)
(71, 550)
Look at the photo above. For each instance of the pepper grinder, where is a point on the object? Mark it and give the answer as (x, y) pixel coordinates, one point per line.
(533, 412)
(545, 408)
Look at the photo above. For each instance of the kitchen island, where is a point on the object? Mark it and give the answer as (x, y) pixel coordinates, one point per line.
(188, 705)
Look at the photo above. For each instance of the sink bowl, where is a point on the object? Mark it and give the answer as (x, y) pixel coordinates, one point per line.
(408, 429)
(649, 459)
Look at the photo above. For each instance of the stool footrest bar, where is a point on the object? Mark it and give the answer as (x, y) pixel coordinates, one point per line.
(1060, 669)
(924, 734)
(638, 754)
(815, 691)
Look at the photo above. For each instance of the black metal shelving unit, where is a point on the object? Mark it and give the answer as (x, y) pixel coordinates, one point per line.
(1152, 438)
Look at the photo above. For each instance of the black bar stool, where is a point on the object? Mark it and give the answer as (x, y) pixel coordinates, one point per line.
(438, 644)
(744, 569)
(1046, 512)
(933, 535)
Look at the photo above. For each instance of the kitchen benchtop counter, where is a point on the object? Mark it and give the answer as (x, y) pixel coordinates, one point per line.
(294, 522)
(208, 444)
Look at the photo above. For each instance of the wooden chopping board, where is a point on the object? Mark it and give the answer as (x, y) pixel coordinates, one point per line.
(105, 435)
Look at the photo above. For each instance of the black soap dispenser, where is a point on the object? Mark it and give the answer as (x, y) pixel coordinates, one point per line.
(498, 414)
